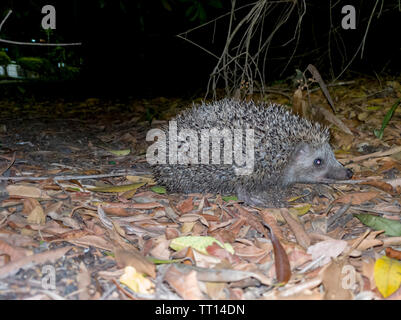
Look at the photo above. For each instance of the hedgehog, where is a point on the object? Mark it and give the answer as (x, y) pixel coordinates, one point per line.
(210, 142)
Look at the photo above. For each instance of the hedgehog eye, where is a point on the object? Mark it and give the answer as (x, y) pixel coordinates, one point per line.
(318, 162)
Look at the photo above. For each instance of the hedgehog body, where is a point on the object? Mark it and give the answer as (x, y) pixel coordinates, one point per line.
(287, 149)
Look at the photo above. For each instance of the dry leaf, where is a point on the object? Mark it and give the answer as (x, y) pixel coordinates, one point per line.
(27, 191)
(328, 248)
(185, 284)
(186, 205)
(37, 216)
(337, 281)
(39, 258)
(84, 280)
(298, 230)
(357, 198)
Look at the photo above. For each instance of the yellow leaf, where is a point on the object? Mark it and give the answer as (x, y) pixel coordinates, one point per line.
(387, 274)
(122, 188)
(198, 243)
(301, 209)
(136, 281)
(37, 216)
(187, 226)
(379, 101)
(120, 152)
(137, 179)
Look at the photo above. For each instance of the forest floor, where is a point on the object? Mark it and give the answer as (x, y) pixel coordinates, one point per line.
(75, 216)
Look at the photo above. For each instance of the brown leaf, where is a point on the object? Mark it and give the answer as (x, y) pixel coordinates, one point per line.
(249, 252)
(161, 250)
(171, 233)
(37, 215)
(29, 205)
(185, 284)
(84, 280)
(252, 220)
(69, 235)
(39, 258)
(392, 253)
(299, 104)
(269, 218)
(334, 280)
(216, 290)
(283, 268)
(219, 252)
(189, 254)
(135, 259)
(380, 185)
(316, 75)
(19, 190)
(94, 241)
(146, 205)
(14, 253)
(357, 198)
(298, 230)
(186, 205)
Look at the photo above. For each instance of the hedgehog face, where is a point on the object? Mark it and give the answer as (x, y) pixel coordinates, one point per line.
(310, 164)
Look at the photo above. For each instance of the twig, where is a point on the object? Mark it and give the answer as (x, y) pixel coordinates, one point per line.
(8, 166)
(74, 177)
(377, 154)
(34, 43)
(4, 20)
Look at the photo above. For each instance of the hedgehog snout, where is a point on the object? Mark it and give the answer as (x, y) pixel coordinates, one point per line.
(339, 173)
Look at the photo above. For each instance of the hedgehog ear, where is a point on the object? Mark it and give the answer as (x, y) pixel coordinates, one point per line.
(301, 150)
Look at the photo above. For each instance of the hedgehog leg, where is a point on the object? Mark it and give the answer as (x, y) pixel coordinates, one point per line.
(253, 199)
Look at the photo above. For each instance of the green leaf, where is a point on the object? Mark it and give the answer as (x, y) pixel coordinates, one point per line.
(386, 120)
(158, 189)
(216, 4)
(391, 227)
(160, 261)
(120, 152)
(202, 14)
(228, 198)
(190, 11)
(199, 243)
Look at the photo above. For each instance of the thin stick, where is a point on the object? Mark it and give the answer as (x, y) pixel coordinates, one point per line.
(34, 44)
(73, 177)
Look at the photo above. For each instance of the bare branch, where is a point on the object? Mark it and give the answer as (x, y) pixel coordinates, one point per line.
(34, 43)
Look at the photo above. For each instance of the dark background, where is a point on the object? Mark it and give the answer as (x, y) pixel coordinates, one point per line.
(130, 48)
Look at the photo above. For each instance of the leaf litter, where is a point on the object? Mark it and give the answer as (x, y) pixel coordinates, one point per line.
(72, 206)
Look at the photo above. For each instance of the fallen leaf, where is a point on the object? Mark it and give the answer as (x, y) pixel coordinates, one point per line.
(136, 281)
(84, 280)
(122, 188)
(124, 152)
(159, 189)
(199, 243)
(186, 206)
(185, 284)
(393, 254)
(27, 191)
(387, 275)
(391, 227)
(39, 258)
(337, 281)
(298, 230)
(37, 216)
(328, 248)
(357, 198)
